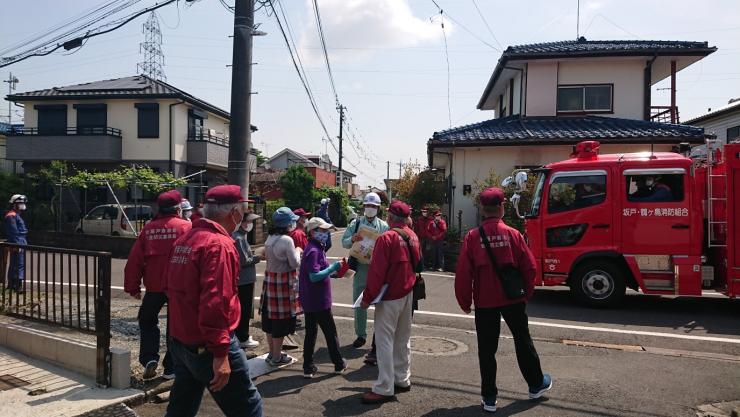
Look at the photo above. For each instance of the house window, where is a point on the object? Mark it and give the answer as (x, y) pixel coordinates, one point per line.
(52, 119)
(91, 118)
(148, 120)
(733, 133)
(576, 192)
(585, 98)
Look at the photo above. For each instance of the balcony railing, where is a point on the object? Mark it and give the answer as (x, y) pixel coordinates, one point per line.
(69, 131)
(208, 136)
(664, 114)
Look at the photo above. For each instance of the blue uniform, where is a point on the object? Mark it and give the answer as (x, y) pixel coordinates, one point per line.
(15, 232)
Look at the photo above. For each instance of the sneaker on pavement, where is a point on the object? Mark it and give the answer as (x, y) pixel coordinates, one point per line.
(400, 388)
(489, 404)
(284, 359)
(150, 370)
(371, 358)
(168, 375)
(310, 371)
(251, 343)
(268, 358)
(339, 369)
(373, 398)
(537, 392)
(359, 342)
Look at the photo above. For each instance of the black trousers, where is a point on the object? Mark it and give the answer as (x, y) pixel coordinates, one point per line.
(246, 299)
(151, 305)
(488, 328)
(325, 320)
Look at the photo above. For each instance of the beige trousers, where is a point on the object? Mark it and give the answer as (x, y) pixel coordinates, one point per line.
(393, 344)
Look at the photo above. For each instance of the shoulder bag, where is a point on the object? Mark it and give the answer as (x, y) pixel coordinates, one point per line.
(512, 280)
(420, 288)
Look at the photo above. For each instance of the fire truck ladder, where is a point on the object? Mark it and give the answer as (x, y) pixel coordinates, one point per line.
(712, 198)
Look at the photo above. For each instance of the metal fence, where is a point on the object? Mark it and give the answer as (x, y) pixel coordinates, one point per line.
(61, 287)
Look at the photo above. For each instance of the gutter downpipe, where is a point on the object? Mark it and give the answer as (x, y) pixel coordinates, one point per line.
(647, 76)
(172, 165)
(451, 197)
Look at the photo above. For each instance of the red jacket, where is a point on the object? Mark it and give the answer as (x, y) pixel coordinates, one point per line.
(477, 281)
(201, 288)
(150, 255)
(420, 226)
(436, 230)
(391, 265)
(300, 240)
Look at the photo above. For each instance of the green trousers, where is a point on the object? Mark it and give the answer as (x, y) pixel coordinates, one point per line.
(358, 286)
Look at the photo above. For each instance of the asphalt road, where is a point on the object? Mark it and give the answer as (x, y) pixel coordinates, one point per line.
(658, 356)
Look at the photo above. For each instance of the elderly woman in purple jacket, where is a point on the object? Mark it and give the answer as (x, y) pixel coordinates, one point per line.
(315, 295)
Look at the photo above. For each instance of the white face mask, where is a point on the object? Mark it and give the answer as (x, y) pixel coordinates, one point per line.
(371, 212)
(649, 182)
(292, 227)
(187, 215)
(238, 221)
(21, 206)
(249, 227)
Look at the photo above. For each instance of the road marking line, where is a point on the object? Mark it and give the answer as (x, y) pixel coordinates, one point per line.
(437, 275)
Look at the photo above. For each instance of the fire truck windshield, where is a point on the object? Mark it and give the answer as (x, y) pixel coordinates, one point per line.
(534, 210)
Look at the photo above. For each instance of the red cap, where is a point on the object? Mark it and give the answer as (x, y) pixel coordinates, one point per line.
(399, 208)
(301, 212)
(492, 196)
(169, 198)
(436, 212)
(225, 194)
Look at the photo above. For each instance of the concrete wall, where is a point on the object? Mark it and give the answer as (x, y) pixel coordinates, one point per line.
(720, 125)
(471, 164)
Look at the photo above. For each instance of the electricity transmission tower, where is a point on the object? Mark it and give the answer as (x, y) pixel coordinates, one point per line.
(153, 63)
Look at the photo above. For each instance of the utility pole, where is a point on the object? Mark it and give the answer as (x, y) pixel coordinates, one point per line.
(388, 178)
(241, 88)
(341, 125)
(12, 81)
(400, 165)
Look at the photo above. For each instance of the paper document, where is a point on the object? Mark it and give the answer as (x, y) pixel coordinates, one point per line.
(377, 299)
(362, 250)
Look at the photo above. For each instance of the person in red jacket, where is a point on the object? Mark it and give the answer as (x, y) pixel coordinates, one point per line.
(148, 259)
(436, 230)
(394, 260)
(478, 282)
(300, 240)
(420, 228)
(204, 307)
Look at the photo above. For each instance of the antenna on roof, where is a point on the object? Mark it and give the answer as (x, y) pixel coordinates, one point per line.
(153, 63)
(578, 20)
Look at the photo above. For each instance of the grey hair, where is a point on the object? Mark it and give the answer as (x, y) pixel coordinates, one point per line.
(213, 211)
(392, 218)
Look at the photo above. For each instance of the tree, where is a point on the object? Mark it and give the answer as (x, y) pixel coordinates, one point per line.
(297, 184)
(261, 159)
(510, 216)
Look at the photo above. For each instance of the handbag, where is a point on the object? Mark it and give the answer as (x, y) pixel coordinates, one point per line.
(512, 280)
(420, 287)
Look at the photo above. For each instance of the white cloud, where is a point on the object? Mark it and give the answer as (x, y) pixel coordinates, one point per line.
(365, 26)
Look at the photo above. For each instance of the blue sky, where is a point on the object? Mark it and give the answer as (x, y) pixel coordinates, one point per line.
(387, 57)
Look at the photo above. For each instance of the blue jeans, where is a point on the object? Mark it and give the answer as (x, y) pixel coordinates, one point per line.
(193, 373)
(151, 305)
(438, 254)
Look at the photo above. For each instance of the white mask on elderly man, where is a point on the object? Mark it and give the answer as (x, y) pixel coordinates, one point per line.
(249, 228)
(371, 212)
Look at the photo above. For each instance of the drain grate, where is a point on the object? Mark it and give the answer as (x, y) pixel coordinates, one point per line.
(8, 382)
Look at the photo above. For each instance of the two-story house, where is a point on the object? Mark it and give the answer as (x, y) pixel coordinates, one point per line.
(547, 97)
(133, 120)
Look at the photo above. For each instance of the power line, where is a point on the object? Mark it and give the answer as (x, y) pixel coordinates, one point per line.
(486, 23)
(463, 27)
(447, 59)
(323, 46)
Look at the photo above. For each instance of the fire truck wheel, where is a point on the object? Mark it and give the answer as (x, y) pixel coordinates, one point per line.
(598, 283)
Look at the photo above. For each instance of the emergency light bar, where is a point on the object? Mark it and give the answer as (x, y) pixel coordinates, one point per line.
(586, 150)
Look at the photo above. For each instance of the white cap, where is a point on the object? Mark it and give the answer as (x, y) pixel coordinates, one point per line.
(18, 198)
(372, 199)
(185, 204)
(318, 222)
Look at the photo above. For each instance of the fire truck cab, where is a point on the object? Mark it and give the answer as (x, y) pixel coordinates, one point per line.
(660, 223)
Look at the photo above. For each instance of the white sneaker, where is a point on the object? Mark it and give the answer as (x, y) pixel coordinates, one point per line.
(251, 343)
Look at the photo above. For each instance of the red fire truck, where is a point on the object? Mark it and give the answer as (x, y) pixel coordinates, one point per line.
(660, 223)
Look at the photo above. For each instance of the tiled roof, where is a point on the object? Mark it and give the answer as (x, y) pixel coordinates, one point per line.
(733, 106)
(617, 47)
(515, 130)
(138, 86)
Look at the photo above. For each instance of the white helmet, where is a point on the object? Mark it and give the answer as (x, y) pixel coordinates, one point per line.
(324, 200)
(371, 198)
(18, 198)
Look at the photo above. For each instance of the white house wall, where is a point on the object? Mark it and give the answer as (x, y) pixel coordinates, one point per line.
(720, 125)
(541, 93)
(471, 164)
